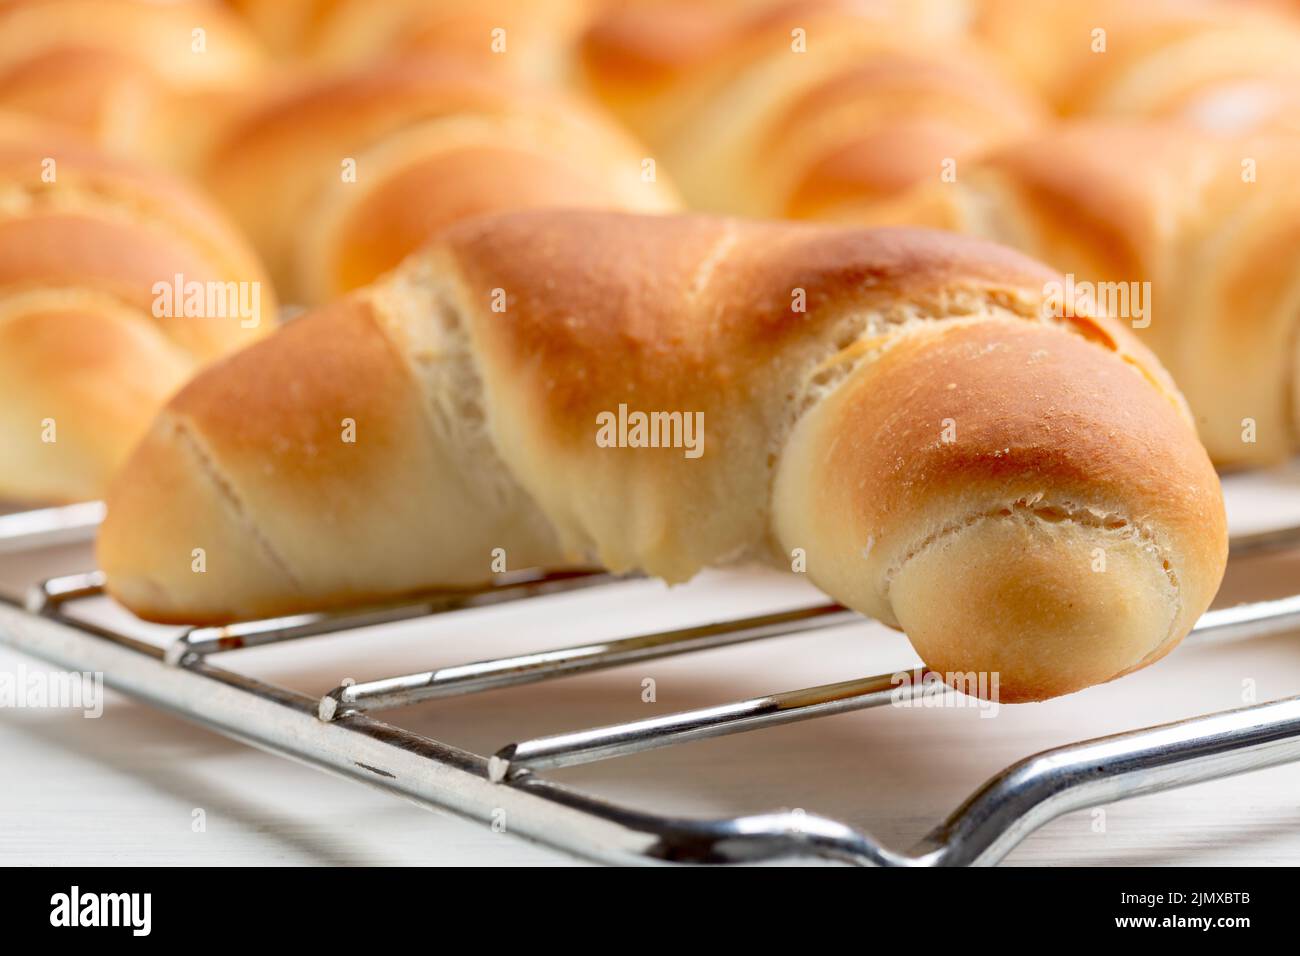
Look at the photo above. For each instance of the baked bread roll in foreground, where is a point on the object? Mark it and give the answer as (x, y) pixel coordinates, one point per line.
(1020, 493)
(1191, 237)
(116, 284)
(338, 181)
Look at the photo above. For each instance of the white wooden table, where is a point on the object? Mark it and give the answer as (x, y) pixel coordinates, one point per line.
(124, 789)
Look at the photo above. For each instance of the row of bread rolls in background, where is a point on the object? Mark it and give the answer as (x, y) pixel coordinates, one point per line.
(698, 82)
(883, 90)
(761, 107)
(161, 79)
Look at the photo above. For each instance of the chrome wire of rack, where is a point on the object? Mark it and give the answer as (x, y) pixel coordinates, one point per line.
(339, 732)
(46, 527)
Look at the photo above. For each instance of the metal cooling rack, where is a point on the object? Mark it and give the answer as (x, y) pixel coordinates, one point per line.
(339, 732)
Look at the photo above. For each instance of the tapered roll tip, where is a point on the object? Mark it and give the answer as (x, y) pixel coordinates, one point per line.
(1034, 603)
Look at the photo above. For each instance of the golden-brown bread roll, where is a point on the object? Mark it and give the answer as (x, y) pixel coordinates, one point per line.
(1209, 222)
(1228, 66)
(144, 79)
(766, 111)
(1020, 493)
(93, 338)
(336, 182)
(522, 38)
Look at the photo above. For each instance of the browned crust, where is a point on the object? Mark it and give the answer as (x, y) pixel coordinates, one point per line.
(626, 280)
